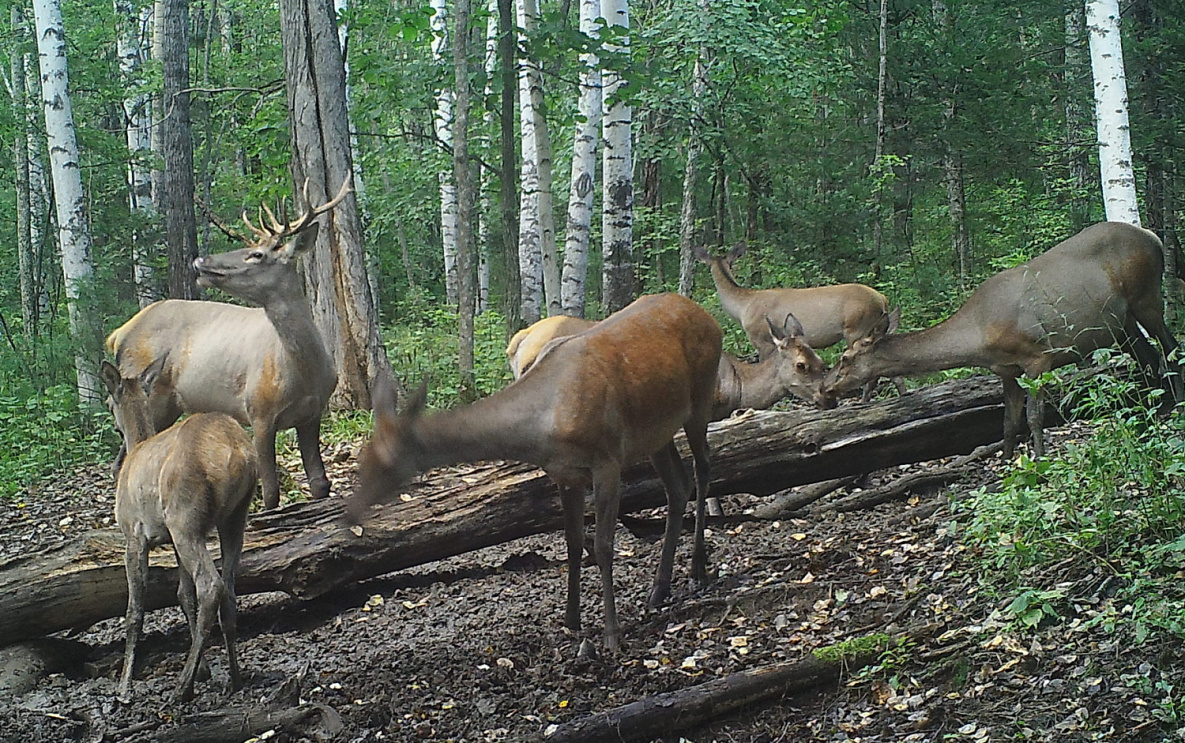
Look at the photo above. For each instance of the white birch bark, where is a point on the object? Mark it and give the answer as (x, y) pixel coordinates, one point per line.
(530, 230)
(131, 49)
(38, 188)
(618, 185)
(1110, 102)
(24, 245)
(73, 234)
(485, 206)
(442, 124)
(584, 169)
(695, 146)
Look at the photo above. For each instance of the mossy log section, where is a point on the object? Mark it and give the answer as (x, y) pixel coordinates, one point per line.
(305, 549)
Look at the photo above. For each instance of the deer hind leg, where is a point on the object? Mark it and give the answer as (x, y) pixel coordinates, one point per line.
(572, 500)
(607, 501)
(308, 437)
(670, 470)
(206, 593)
(697, 441)
(230, 537)
(1152, 319)
(136, 562)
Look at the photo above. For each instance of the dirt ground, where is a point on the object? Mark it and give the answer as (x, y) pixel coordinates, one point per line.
(473, 648)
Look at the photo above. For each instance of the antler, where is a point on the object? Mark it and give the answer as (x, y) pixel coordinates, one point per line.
(281, 228)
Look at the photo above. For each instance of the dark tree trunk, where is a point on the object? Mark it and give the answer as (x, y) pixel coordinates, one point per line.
(335, 272)
(466, 196)
(176, 148)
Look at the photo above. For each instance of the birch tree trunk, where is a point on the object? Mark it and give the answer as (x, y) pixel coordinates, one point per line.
(26, 259)
(130, 46)
(617, 218)
(695, 146)
(584, 168)
(878, 227)
(38, 186)
(73, 233)
(508, 186)
(335, 272)
(466, 277)
(484, 186)
(442, 125)
(530, 223)
(1110, 104)
(175, 195)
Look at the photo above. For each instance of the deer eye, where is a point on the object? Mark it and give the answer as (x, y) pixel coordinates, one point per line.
(801, 366)
(256, 255)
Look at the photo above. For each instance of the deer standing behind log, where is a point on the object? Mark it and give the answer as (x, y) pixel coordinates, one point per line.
(828, 314)
(793, 369)
(267, 367)
(589, 407)
(175, 487)
(1091, 291)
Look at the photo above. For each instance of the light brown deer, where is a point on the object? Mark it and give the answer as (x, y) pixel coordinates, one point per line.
(175, 487)
(793, 369)
(828, 314)
(590, 406)
(526, 344)
(267, 367)
(1094, 290)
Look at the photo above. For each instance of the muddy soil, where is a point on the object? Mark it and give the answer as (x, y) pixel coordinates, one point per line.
(473, 648)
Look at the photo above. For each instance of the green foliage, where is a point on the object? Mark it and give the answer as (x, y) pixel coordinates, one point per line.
(1113, 500)
(47, 434)
(424, 348)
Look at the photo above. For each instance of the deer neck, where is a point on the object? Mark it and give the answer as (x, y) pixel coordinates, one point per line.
(733, 297)
(946, 345)
(136, 423)
(740, 385)
(292, 318)
(506, 425)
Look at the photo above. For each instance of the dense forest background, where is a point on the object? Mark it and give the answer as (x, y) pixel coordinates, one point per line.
(986, 155)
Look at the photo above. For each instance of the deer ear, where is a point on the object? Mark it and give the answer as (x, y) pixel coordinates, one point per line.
(149, 376)
(303, 243)
(791, 328)
(417, 402)
(110, 376)
(701, 254)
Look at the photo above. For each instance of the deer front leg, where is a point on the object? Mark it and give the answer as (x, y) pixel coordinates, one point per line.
(308, 437)
(572, 500)
(136, 563)
(607, 500)
(1014, 405)
(670, 470)
(265, 452)
(1035, 410)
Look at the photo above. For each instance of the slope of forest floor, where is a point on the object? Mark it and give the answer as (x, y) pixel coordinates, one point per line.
(472, 648)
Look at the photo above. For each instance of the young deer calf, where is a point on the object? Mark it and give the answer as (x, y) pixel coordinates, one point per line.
(175, 487)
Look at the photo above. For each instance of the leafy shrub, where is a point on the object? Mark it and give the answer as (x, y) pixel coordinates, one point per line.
(1113, 499)
(48, 433)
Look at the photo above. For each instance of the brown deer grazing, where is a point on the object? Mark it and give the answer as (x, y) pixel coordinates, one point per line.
(828, 314)
(590, 406)
(267, 367)
(175, 487)
(793, 369)
(1088, 292)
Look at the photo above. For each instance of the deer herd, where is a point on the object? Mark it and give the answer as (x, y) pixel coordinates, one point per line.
(588, 398)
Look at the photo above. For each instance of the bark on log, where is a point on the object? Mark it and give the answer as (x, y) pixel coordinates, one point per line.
(665, 714)
(305, 550)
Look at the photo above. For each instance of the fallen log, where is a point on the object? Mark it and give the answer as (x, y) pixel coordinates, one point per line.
(671, 712)
(305, 550)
